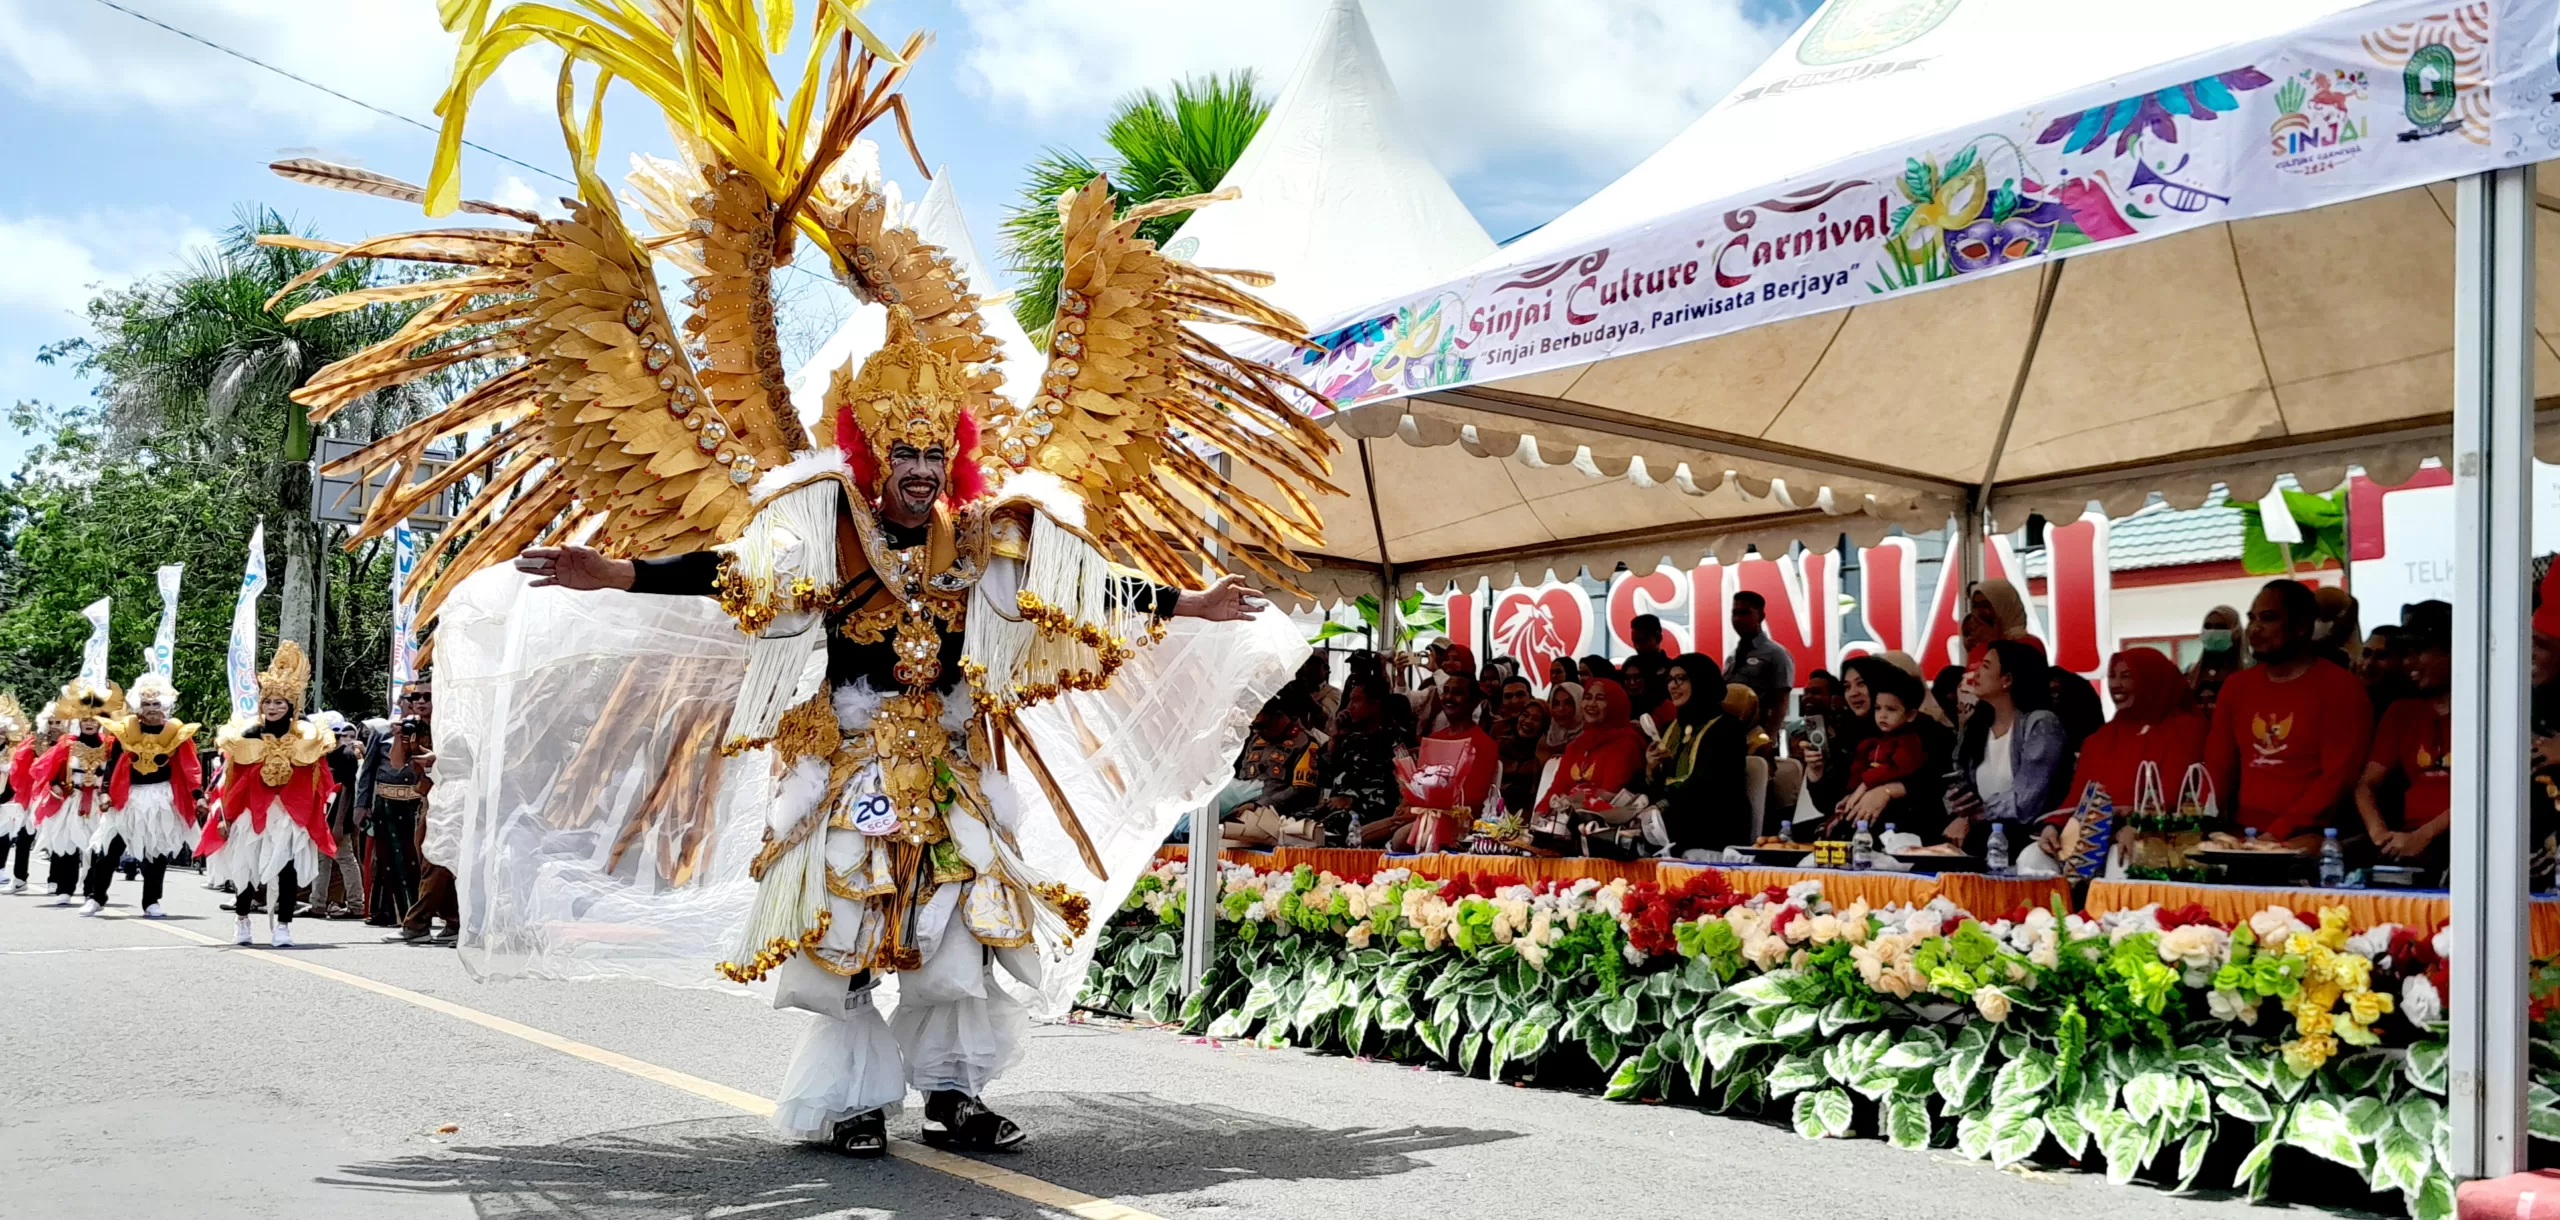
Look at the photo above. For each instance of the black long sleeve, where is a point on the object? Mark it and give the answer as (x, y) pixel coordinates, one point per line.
(687, 575)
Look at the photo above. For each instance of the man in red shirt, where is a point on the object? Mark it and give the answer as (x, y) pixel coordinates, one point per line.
(2411, 757)
(2289, 733)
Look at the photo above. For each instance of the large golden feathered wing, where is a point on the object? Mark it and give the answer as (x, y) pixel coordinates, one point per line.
(600, 416)
(1148, 418)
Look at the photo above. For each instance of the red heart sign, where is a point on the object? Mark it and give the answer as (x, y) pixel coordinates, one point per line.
(1535, 626)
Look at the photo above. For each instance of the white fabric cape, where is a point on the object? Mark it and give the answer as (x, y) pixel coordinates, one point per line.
(524, 677)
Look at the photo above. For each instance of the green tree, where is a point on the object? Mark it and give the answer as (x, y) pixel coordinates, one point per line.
(192, 373)
(1161, 148)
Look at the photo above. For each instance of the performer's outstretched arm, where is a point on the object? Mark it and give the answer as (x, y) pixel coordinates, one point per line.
(578, 567)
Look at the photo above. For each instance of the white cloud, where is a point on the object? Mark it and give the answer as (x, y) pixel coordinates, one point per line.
(57, 263)
(1593, 85)
(512, 192)
(390, 53)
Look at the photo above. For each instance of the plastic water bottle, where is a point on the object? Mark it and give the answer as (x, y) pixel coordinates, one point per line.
(1995, 857)
(1862, 848)
(2333, 862)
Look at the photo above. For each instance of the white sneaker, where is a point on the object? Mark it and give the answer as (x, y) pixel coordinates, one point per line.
(243, 937)
(60, 900)
(154, 912)
(91, 907)
(17, 887)
(283, 938)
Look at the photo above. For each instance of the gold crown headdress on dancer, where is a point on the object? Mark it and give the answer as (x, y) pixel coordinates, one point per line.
(14, 725)
(287, 677)
(82, 701)
(906, 392)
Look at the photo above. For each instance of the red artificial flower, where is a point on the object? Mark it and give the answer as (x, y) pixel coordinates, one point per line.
(2190, 914)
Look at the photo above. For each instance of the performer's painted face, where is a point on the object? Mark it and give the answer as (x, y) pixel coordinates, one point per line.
(272, 710)
(152, 715)
(915, 481)
(88, 727)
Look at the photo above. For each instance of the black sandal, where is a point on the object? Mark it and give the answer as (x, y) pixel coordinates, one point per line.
(863, 1136)
(952, 1118)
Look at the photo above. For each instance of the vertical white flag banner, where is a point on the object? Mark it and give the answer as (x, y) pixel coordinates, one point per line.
(242, 665)
(93, 658)
(164, 645)
(404, 641)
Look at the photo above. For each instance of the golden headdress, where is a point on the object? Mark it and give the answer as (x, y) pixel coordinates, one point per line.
(81, 701)
(906, 392)
(288, 677)
(13, 720)
(154, 688)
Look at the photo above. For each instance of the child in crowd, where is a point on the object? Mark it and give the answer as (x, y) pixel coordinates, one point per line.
(1895, 754)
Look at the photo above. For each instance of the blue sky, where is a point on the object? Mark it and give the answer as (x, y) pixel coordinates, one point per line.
(135, 146)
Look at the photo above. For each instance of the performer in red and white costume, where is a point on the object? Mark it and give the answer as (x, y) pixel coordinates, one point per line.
(271, 825)
(151, 795)
(70, 782)
(21, 742)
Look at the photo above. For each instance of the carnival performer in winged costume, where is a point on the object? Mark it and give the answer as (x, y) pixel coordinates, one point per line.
(151, 794)
(270, 825)
(20, 743)
(70, 781)
(979, 648)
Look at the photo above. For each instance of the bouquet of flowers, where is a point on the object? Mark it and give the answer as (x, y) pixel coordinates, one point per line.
(1434, 783)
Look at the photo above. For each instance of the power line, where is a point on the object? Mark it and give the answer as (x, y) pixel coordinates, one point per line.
(247, 58)
(385, 112)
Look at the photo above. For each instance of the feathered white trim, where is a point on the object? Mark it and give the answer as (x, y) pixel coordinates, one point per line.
(856, 703)
(1046, 492)
(803, 466)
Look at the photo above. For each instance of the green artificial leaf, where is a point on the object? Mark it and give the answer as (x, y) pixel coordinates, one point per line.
(2357, 1073)
(1808, 1118)
(1602, 1048)
(2024, 1077)
(1527, 1037)
(1956, 1076)
(2433, 1201)
(2243, 1102)
(1619, 1015)
(1761, 992)
(1840, 1014)
(1906, 1122)
(2013, 1043)
(2063, 1124)
(2425, 1066)
(2121, 1140)
(1481, 1009)
(2146, 1095)
(2542, 1125)
(1260, 1001)
(1795, 1022)
(1470, 1052)
(2368, 1118)
(1229, 1025)
(1794, 1073)
(2015, 1137)
(1912, 1053)
(2320, 1128)
(1399, 981)
(2421, 1116)
(1729, 1041)
(2539, 1096)
(1497, 1040)
(1741, 1087)
(1838, 1113)
(1362, 1014)
(1627, 1081)
(1436, 1035)
(1395, 1013)
(1973, 1136)
(2191, 1158)
(2250, 1175)
(2401, 1161)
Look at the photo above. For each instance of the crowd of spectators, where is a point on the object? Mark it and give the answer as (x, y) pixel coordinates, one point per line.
(2291, 722)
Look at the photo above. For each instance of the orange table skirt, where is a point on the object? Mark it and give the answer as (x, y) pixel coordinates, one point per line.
(1985, 896)
(2365, 908)
(1355, 862)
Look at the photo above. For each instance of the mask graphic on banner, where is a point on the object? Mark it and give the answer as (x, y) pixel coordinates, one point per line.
(164, 644)
(404, 642)
(241, 663)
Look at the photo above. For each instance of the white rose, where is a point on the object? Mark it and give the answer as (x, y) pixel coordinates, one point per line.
(2419, 1001)
(2373, 942)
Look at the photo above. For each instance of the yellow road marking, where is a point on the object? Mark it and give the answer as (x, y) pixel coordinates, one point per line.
(1020, 1186)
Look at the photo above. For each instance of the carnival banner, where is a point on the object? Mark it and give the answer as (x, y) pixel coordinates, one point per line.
(404, 641)
(2375, 98)
(93, 656)
(242, 663)
(164, 643)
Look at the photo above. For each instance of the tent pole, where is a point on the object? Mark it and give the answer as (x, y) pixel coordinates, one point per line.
(1200, 910)
(2493, 483)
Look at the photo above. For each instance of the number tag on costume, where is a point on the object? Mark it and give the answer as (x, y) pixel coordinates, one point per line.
(872, 814)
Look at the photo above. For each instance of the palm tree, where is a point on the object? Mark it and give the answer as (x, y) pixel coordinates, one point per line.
(196, 367)
(1161, 148)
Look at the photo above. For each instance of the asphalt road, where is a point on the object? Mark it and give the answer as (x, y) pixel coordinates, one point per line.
(146, 1073)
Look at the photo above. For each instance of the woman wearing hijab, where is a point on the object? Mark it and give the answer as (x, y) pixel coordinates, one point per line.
(1696, 771)
(1564, 720)
(2013, 751)
(2225, 646)
(1607, 757)
(1994, 611)
(2157, 722)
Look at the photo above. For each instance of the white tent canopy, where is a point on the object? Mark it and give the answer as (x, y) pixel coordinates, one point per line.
(1810, 284)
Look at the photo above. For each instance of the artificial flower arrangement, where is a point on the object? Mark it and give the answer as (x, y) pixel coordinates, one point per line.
(2157, 1041)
